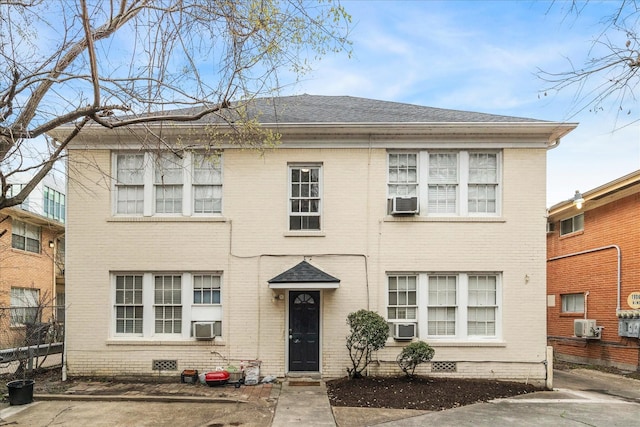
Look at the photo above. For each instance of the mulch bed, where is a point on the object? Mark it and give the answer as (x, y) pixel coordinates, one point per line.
(424, 393)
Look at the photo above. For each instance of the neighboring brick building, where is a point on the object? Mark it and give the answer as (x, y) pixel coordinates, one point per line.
(31, 260)
(432, 218)
(593, 273)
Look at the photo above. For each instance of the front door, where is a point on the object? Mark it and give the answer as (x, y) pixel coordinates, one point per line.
(304, 331)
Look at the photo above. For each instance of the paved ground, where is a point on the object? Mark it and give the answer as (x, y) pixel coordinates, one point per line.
(581, 397)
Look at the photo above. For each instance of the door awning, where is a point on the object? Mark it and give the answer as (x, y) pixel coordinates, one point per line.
(304, 276)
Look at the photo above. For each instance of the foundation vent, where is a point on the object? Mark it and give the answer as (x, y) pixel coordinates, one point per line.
(444, 367)
(165, 365)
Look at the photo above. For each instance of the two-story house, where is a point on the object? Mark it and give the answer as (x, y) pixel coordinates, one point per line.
(593, 275)
(433, 218)
(32, 258)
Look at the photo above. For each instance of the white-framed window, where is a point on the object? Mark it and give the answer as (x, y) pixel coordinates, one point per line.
(450, 306)
(168, 304)
(305, 198)
(25, 236)
(129, 184)
(448, 183)
(403, 174)
(24, 306)
(54, 204)
(207, 184)
(167, 184)
(129, 307)
(206, 289)
(150, 305)
(403, 300)
(572, 303)
(571, 225)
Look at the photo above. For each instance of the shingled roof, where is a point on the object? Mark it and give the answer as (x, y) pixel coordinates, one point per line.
(349, 109)
(304, 273)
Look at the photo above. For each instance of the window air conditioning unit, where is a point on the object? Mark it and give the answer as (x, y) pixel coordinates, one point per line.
(206, 330)
(404, 206)
(585, 328)
(404, 331)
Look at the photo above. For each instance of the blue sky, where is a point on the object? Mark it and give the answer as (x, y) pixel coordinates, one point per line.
(483, 56)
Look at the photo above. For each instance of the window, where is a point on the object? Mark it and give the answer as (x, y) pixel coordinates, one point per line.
(206, 289)
(168, 308)
(402, 298)
(148, 305)
(167, 184)
(403, 174)
(54, 204)
(129, 308)
(454, 183)
(482, 305)
(442, 307)
(571, 225)
(572, 303)
(207, 185)
(129, 183)
(24, 306)
(14, 189)
(304, 198)
(25, 236)
(455, 306)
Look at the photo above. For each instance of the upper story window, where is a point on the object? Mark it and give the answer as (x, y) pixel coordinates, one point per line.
(14, 189)
(455, 306)
(304, 197)
(206, 289)
(167, 184)
(447, 183)
(571, 225)
(25, 236)
(54, 204)
(572, 303)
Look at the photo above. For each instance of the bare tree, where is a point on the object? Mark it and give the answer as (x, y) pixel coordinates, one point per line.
(115, 63)
(611, 72)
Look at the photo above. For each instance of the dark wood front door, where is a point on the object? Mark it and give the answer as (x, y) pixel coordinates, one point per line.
(304, 331)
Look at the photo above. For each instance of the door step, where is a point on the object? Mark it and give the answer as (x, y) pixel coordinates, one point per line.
(303, 382)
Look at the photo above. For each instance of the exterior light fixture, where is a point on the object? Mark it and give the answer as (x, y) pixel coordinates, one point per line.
(51, 243)
(577, 200)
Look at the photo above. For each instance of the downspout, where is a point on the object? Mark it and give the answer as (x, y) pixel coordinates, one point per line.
(616, 247)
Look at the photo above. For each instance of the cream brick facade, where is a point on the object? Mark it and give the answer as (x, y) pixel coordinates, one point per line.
(359, 244)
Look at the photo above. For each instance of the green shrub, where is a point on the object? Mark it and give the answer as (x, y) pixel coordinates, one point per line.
(414, 354)
(369, 332)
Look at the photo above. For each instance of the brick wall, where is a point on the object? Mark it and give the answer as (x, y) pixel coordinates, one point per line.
(614, 223)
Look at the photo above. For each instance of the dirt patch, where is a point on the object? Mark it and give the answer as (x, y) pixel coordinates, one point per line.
(423, 393)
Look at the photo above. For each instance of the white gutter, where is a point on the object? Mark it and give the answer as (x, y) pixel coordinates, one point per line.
(616, 247)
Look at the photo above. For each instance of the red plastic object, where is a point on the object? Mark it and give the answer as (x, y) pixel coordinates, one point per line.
(216, 378)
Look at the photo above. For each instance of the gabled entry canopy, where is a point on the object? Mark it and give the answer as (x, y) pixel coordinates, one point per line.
(304, 276)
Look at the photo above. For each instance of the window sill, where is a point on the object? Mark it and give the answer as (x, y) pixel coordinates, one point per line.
(574, 315)
(140, 341)
(167, 219)
(418, 218)
(433, 343)
(572, 234)
(305, 233)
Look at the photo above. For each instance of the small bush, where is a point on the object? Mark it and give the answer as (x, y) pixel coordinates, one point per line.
(414, 354)
(369, 332)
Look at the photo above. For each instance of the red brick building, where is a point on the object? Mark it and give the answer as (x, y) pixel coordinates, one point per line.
(593, 275)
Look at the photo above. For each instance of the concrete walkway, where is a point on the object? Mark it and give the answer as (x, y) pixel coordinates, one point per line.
(303, 404)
